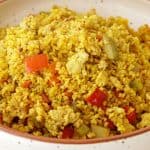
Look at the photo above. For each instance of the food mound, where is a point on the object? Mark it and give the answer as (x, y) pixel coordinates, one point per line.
(70, 75)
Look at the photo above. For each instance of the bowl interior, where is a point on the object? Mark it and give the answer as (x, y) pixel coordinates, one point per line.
(137, 11)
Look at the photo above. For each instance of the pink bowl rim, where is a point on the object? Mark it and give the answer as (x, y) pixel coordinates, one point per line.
(1, 1)
(71, 141)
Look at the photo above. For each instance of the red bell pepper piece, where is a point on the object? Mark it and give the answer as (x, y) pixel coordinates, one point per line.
(97, 98)
(68, 132)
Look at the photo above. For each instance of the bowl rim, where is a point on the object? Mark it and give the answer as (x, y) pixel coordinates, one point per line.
(1, 1)
(124, 136)
(15, 132)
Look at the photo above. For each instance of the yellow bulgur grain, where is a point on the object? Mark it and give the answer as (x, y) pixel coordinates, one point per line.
(92, 63)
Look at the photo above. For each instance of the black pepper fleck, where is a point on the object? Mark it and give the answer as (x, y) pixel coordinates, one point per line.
(123, 142)
(19, 142)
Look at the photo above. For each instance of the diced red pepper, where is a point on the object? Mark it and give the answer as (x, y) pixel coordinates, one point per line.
(26, 84)
(68, 132)
(97, 98)
(130, 114)
(1, 118)
(110, 125)
(36, 62)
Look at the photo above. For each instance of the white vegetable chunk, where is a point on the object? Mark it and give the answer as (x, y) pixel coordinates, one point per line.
(76, 62)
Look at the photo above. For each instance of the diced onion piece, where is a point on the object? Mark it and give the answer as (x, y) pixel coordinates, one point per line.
(100, 131)
(110, 47)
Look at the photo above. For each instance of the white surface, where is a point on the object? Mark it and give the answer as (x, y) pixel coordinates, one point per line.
(137, 11)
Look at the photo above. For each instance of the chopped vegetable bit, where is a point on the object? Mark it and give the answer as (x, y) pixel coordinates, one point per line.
(100, 131)
(26, 84)
(83, 130)
(136, 85)
(110, 47)
(132, 117)
(130, 114)
(36, 62)
(68, 132)
(110, 124)
(1, 118)
(76, 62)
(97, 98)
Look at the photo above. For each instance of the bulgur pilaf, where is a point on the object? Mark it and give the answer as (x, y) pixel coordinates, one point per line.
(70, 75)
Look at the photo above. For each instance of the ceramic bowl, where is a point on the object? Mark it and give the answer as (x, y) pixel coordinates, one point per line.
(138, 13)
